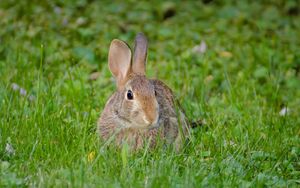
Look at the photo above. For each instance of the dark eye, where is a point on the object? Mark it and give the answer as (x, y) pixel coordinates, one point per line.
(129, 95)
(155, 93)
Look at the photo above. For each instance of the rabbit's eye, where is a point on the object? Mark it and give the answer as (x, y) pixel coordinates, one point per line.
(129, 95)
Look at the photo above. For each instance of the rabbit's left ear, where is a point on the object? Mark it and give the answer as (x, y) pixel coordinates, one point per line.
(119, 61)
(140, 54)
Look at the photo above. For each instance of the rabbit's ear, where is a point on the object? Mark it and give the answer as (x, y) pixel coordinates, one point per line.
(119, 61)
(140, 54)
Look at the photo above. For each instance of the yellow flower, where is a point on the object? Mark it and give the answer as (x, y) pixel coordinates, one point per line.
(225, 54)
(91, 156)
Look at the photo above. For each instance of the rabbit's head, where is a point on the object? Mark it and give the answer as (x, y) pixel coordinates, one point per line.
(137, 106)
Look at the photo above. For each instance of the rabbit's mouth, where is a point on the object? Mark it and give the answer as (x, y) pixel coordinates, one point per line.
(155, 124)
(138, 123)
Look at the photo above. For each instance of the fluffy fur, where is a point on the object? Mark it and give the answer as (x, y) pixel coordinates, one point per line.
(151, 115)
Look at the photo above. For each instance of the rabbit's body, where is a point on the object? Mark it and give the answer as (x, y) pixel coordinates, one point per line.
(142, 111)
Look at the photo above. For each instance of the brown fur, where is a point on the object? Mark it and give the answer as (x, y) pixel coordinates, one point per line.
(150, 116)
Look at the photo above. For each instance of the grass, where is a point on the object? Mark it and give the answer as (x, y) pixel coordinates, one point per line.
(241, 85)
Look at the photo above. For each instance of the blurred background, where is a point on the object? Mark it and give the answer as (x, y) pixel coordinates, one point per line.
(193, 44)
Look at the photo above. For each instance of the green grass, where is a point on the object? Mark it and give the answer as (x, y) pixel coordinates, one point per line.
(247, 75)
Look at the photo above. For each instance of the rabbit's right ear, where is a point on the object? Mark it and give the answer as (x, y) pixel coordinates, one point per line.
(119, 61)
(140, 54)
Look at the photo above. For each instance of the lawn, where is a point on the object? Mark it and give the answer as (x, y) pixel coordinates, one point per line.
(233, 65)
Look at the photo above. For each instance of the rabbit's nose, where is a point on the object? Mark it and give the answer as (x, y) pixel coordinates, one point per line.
(146, 120)
(150, 115)
(151, 119)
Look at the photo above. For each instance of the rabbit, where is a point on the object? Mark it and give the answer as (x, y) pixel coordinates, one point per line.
(141, 111)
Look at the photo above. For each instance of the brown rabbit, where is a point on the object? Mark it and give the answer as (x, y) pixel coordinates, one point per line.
(141, 111)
